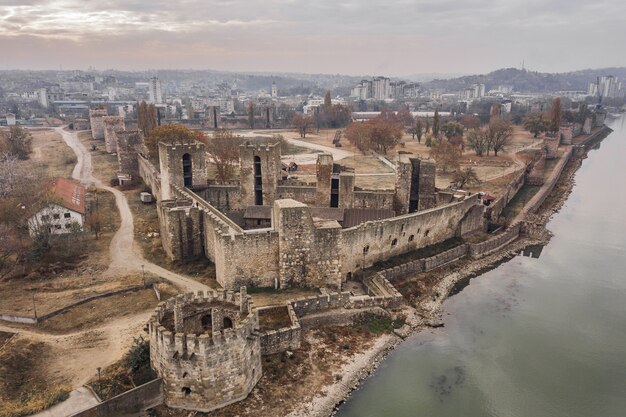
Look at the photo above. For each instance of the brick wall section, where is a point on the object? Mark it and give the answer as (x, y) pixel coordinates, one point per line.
(496, 207)
(319, 303)
(378, 286)
(305, 194)
(222, 197)
(445, 257)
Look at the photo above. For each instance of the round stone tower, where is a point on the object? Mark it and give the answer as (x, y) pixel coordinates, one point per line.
(206, 348)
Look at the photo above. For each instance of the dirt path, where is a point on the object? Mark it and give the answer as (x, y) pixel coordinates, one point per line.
(75, 356)
(78, 354)
(125, 255)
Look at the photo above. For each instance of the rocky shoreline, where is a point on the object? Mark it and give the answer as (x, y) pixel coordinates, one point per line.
(356, 371)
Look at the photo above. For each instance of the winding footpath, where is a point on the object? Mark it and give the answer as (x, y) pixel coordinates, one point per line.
(76, 355)
(125, 255)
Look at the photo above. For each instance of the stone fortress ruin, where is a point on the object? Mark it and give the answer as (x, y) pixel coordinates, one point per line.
(269, 230)
(206, 348)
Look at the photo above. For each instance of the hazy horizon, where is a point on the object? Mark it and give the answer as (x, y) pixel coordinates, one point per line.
(400, 38)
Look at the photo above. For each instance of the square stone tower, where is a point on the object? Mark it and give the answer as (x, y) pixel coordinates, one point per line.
(215, 118)
(112, 124)
(129, 143)
(415, 184)
(260, 170)
(324, 174)
(308, 251)
(96, 123)
(183, 165)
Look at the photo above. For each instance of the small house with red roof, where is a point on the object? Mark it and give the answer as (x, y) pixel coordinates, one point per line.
(66, 210)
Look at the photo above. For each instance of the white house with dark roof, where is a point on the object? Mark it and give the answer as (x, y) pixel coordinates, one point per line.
(65, 212)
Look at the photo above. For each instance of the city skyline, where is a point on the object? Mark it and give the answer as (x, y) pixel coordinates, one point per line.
(397, 39)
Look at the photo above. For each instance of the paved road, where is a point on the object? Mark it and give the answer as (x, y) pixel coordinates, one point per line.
(125, 255)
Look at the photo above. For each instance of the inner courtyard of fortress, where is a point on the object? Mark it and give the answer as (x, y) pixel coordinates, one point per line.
(268, 230)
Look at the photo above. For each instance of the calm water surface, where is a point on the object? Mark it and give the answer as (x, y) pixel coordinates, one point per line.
(535, 337)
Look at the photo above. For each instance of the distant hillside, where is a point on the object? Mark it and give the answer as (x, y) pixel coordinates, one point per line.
(528, 81)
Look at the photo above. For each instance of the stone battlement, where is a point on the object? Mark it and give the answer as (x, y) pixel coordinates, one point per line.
(206, 347)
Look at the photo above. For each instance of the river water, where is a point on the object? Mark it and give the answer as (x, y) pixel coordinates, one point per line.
(537, 336)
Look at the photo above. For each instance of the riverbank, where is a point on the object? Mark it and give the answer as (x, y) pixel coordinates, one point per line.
(450, 280)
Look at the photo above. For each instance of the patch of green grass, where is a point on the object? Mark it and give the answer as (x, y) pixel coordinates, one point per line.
(425, 252)
(260, 290)
(518, 202)
(375, 323)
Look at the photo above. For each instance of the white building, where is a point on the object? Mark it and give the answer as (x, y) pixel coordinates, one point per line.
(274, 90)
(381, 89)
(155, 91)
(10, 119)
(65, 213)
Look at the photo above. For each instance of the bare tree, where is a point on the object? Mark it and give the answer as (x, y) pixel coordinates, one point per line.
(303, 124)
(499, 133)
(556, 115)
(446, 154)
(478, 141)
(223, 147)
(466, 176)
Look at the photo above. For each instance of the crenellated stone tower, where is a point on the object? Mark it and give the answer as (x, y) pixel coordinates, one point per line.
(206, 348)
(183, 165)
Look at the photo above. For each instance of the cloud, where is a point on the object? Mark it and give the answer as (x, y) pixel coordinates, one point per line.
(357, 36)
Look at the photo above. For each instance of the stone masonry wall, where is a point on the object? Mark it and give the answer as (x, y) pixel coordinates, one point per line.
(374, 241)
(112, 124)
(308, 253)
(222, 197)
(129, 145)
(269, 156)
(150, 175)
(324, 173)
(171, 166)
(96, 123)
(380, 199)
(285, 338)
(211, 370)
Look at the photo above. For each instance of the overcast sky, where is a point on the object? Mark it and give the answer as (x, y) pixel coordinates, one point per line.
(392, 37)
